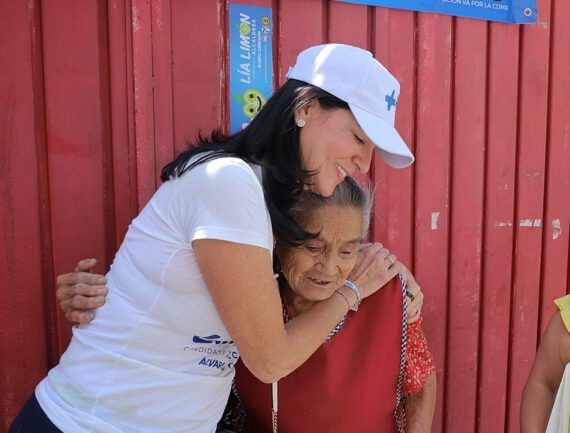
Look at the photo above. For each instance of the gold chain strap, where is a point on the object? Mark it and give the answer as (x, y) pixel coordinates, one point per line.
(274, 420)
(274, 406)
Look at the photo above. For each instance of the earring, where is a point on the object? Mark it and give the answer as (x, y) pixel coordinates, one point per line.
(277, 271)
(300, 122)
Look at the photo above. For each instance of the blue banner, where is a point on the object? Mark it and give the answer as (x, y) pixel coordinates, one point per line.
(506, 11)
(251, 62)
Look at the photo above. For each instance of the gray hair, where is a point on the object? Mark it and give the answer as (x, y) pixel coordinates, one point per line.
(346, 194)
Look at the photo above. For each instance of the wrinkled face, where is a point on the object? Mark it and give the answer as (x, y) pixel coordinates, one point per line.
(333, 145)
(317, 268)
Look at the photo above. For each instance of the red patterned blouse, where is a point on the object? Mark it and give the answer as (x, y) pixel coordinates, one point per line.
(419, 361)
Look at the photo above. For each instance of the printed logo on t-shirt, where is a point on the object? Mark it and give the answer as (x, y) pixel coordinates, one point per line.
(219, 354)
(212, 339)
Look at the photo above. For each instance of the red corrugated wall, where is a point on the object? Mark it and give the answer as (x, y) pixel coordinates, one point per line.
(95, 97)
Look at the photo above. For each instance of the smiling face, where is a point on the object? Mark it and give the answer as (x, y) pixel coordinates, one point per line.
(333, 145)
(315, 269)
(253, 101)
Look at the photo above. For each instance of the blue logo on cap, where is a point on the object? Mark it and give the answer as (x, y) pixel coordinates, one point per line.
(391, 100)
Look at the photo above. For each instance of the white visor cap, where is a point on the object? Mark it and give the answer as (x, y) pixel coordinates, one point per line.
(355, 76)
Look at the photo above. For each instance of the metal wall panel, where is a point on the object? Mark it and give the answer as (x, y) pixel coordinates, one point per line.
(95, 97)
(24, 279)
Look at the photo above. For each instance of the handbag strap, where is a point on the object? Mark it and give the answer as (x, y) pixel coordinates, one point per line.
(400, 410)
(274, 406)
(236, 416)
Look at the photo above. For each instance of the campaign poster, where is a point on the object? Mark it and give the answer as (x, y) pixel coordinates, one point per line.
(251, 62)
(506, 11)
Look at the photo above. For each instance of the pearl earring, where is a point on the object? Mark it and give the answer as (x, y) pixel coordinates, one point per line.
(300, 122)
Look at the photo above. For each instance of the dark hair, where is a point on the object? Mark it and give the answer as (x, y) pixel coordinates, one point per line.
(272, 141)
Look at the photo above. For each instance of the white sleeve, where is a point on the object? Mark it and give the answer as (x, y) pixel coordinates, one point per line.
(223, 199)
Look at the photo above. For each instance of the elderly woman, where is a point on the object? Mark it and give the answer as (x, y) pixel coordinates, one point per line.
(351, 383)
(203, 245)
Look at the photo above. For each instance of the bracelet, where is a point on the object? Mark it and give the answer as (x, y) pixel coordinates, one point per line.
(345, 298)
(352, 286)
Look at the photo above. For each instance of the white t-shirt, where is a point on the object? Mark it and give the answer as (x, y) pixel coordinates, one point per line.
(157, 357)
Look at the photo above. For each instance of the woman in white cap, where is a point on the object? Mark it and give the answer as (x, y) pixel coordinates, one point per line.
(361, 365)
(193, 281)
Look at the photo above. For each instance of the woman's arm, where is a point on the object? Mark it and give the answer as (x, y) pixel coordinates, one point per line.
(545, 376)
(242, 285)
(419, 381)
(240, 280)
(420, 407)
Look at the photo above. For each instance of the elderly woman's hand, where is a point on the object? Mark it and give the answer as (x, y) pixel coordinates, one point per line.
(415, 299)
(374, 268)
(80, 292)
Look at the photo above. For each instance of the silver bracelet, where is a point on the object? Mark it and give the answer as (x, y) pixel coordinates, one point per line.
(352, 286)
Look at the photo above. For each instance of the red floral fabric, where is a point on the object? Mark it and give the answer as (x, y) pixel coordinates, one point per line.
(419, 360)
